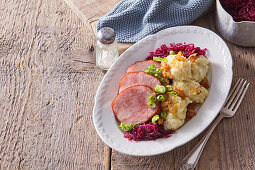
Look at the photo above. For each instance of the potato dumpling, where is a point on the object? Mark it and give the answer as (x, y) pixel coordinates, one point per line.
(176, 109)
(199, 67)
(172, 122)
(178, 67)
(193, 90)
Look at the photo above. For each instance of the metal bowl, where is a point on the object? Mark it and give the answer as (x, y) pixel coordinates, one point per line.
(240, 33)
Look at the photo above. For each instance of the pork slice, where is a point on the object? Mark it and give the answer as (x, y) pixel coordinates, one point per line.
(141, 65)
(130, 106)
(138, 78)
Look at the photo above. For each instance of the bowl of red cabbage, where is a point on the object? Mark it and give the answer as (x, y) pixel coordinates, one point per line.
(235, 20)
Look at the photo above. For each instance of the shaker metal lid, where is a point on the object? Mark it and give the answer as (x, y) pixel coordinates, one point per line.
(106, 35)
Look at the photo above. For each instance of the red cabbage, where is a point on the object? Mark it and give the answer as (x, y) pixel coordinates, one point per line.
(148, 132)
(240, 10)
(188, 49)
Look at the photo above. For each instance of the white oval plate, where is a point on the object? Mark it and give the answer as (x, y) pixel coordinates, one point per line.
(220, 76)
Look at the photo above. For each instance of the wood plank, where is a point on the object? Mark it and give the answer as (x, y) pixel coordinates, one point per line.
(95, 9)
(231, 145)
(48, 80)
(90, 11)
(82, 8)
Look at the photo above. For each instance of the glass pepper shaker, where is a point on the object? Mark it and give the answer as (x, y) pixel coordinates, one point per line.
(106, 48)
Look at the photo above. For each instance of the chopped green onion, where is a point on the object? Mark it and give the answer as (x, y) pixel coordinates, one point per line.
(160, 89)
(152, 67)
(157, 59)
(152, 99)
(163, 115)
(152, 105)
(158, 71)
(128, 126)
(160, 98)
(154, 119)
(157, 75)
(146, 70)
(169, 88)
(172, 53)
(122, 126)
(164, 59)
(173, 93)
(163, 80)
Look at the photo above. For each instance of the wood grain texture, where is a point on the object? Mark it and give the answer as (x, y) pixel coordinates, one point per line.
(94, 9)
(232, 144)
(90, 11)
(48, 81)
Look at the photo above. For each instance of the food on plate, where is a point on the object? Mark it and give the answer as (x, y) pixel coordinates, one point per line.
(131, 105)
(148, 131)
(156, 97)
(138, 78)
(191, 112)
(205, 83)
(176, 107)
(178, 67)
(193, 90)
(141, 65)
(199, 67)
(188, 50)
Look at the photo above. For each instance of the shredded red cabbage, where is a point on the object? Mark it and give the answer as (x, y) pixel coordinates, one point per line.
(240, 10)
(188, 49)
(148, 132)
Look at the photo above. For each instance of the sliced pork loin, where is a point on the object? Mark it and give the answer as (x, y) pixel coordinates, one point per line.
(138, 78)
(130, 106)
(141, 65)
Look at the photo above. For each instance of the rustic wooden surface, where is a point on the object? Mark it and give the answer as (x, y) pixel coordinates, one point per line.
(90, 11)
(48, 81)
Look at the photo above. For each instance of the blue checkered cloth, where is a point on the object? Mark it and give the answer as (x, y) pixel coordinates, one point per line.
(133, 20)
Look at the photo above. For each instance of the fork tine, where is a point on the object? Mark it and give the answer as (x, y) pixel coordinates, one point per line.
(233, 89)
(241, 98)
(233, 94)
(240, 90)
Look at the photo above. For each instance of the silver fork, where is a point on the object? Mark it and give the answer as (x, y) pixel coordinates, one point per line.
(229, 108)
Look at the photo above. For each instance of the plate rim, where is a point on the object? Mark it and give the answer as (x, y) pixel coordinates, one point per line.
(99, 91)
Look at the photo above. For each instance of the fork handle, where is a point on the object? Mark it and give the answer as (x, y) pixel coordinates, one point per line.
(190, 161)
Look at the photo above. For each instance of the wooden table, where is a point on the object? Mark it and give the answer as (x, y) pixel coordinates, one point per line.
(48, 81)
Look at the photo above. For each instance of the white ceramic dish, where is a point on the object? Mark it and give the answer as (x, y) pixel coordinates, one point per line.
(220, 77)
